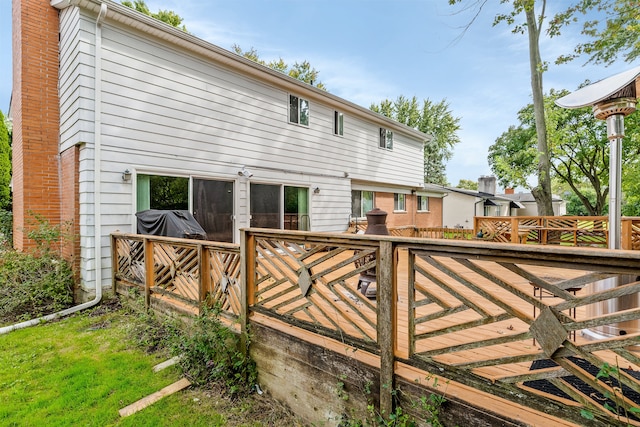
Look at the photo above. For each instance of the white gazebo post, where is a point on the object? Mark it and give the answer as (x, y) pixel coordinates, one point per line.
(612, 99)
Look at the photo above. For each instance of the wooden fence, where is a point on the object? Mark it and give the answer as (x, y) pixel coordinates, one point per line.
(558, 230)
(498, 319)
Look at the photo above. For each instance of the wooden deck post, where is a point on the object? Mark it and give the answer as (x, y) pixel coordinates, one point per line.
(114, 263)
(247, 278)
(386, 325)
(204, 278)
(627, 231)
(515, 233)
(148, 271)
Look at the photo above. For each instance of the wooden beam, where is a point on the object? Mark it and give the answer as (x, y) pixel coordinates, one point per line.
(386, 326)
(153, 398)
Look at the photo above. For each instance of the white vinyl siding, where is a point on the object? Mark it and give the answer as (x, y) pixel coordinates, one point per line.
(167, 110)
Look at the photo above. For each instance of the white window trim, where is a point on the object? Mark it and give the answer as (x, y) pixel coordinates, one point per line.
(299, 109)
(388, 135)
(338, 114)
(404, 202)
(418, 206)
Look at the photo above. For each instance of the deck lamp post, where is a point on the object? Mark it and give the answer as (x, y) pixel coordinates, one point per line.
(612, 99)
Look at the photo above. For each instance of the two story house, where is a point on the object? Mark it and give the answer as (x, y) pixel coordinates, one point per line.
(115, 112)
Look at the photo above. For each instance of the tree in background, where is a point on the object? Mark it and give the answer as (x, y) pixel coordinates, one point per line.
(432, 118)
(618, 34)
(166, 16)
(533, 27)
(534, 13)
(467, 184)
(302, 71)
(5, 165)
(579, 154)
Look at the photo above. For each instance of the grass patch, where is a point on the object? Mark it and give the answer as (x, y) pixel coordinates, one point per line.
(83, 369)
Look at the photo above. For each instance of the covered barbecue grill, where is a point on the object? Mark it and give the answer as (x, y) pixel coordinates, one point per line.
(170, 223)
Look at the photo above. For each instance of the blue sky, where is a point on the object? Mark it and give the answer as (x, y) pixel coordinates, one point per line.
(371, 50)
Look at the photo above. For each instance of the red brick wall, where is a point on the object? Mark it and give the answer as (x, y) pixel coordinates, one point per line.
(70, 205)
(433, 218)
(35, 115)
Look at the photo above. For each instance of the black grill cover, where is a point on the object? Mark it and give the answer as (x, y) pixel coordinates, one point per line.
(170, 224)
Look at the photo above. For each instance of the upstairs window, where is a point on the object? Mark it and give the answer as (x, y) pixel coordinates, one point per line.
(386, 139)
(399, 202)
(423, 203)
(338, 123)
(298, 110)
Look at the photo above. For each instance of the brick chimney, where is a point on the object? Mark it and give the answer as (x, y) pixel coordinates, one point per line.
(487, 184)
(35, 115)
(509, 190)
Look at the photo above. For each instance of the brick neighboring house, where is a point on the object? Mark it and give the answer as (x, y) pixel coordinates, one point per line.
(100, 89)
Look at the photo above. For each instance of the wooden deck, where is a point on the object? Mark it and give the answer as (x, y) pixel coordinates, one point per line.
(469, 312)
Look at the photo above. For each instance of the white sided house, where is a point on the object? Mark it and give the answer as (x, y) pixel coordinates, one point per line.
(153, 117)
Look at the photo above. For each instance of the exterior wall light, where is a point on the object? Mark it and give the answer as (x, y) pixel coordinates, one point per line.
(126, 175)
(316, 190)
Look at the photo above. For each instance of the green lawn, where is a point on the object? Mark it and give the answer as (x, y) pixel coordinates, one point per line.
(82, 370)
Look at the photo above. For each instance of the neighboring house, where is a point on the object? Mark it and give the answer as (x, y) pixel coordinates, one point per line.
(530, 208)
(115, 112)
(460, 206)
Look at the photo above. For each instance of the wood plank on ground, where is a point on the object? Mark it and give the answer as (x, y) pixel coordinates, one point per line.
(154, 397)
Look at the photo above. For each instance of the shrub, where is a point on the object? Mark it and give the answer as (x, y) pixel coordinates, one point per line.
(31, 286)
(38, 282)
(6, 229)
(212, 352)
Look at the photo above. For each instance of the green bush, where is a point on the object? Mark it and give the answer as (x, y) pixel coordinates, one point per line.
(31, 286)
(212, 352)
(209, 352)
(6, 229)
(38, 282)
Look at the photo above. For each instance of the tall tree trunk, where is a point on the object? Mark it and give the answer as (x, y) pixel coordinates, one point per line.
(542, 192)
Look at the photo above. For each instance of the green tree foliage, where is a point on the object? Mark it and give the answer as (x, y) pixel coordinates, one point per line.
(5, 165)
(529, 17)
(579, 153)
(302, 71)
(166, 16)
(467, 184)
(612, 32)
(432, 118)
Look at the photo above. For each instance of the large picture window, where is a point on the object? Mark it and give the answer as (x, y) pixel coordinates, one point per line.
(298, 110)
(162, 192)
(361, 203)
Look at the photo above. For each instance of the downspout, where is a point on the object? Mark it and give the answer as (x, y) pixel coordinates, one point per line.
(97, 177)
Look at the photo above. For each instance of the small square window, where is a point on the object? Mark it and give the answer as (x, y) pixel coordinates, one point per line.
(386, 139)
(399, 202)
(338, 123)
(423, 203)
(298, 110)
